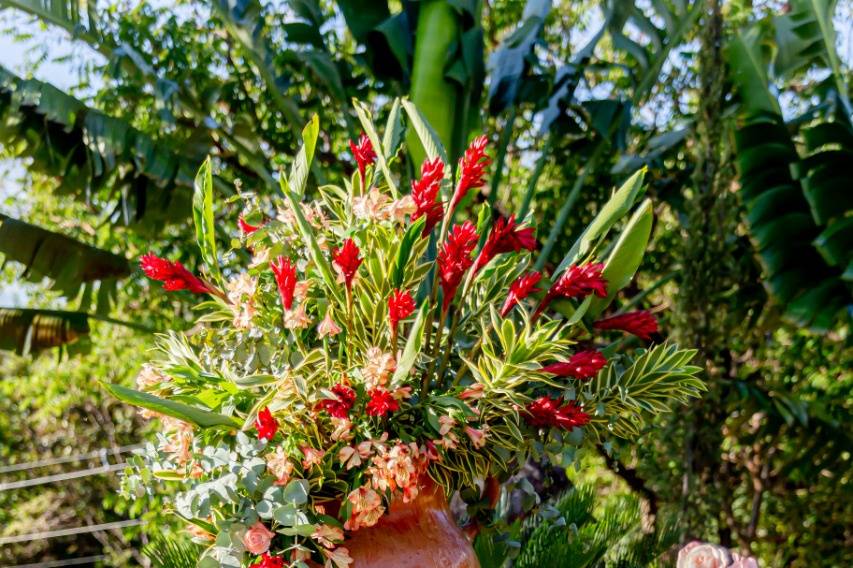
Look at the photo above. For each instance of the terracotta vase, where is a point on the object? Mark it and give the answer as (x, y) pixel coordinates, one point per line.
(419, 534)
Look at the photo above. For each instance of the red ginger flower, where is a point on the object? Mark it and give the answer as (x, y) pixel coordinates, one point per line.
(576, 282)
(246, 228)
(640, 323)
(347, 260)
(523, 286)
(472, 167)
(266, 425)
(285, 278)
(454, 259)
(505, 237)
(400, 306)
(173, 275)
(338, 407)
(546, 411)
(363, 154)
(425, 194)
(268, 561)
(381, 402)
(581, 365)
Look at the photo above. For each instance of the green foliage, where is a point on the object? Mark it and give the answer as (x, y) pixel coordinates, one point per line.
(796, 205)
(142, 180)
(647, 383)
(170, 553)
(28, 331)
(67, 261)
(569, 532)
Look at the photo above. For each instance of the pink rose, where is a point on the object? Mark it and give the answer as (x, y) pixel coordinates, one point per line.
(257, 538)
(703, 555)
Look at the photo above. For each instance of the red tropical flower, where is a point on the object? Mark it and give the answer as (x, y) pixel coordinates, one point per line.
(472, 166)
(347, 260)
(582, 365)
(381, 402)
(454, 259)
(523, 286)
(338, 407)
(173, 275)
(505, 237)
(400, 306)
(285, 278)
(363, 154)
(268, 561)
(545, 412)
(266, 425)
(576, 282)
(425, 194)
(246, 228)
(640, 323)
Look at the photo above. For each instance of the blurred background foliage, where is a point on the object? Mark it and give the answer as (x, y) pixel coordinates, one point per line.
(740, 110)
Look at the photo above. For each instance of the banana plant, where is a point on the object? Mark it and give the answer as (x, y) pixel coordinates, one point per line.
(433, 48)
(30, 331)
(96, 156)
(794, 178)
(68, 262)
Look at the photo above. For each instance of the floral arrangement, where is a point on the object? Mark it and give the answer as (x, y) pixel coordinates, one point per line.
(379, 338)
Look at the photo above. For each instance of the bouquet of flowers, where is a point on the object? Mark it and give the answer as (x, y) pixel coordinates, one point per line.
(379, 340)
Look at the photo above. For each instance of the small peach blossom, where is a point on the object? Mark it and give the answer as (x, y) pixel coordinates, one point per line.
(327, 327)
(475, 392)
(477, 437)
(327, 535)
(312, 457)
(446, 424)
(296, 318)
(300, 292)
(378, 367)
(399, 209)
(337, 558)
(279, 465)
(343, 429)
(149, 377)
(373, 206)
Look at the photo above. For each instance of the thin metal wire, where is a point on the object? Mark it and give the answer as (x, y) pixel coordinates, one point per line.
(101, 469)
(67, 459)
(70, 531)
(65, 562)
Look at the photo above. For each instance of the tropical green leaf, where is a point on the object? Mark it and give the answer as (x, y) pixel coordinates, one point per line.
(28, 331)
(308, 235)
(622, 393)
(66, 261)
(393, 134)
(167, 552)
(613, 210)
(101, 160)
(205, 228)
(429, 139)
(197, 416)
(626, 256)
(366, 119)
(302, 163)
(413, 233)
(509, 59)
(412, 348)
